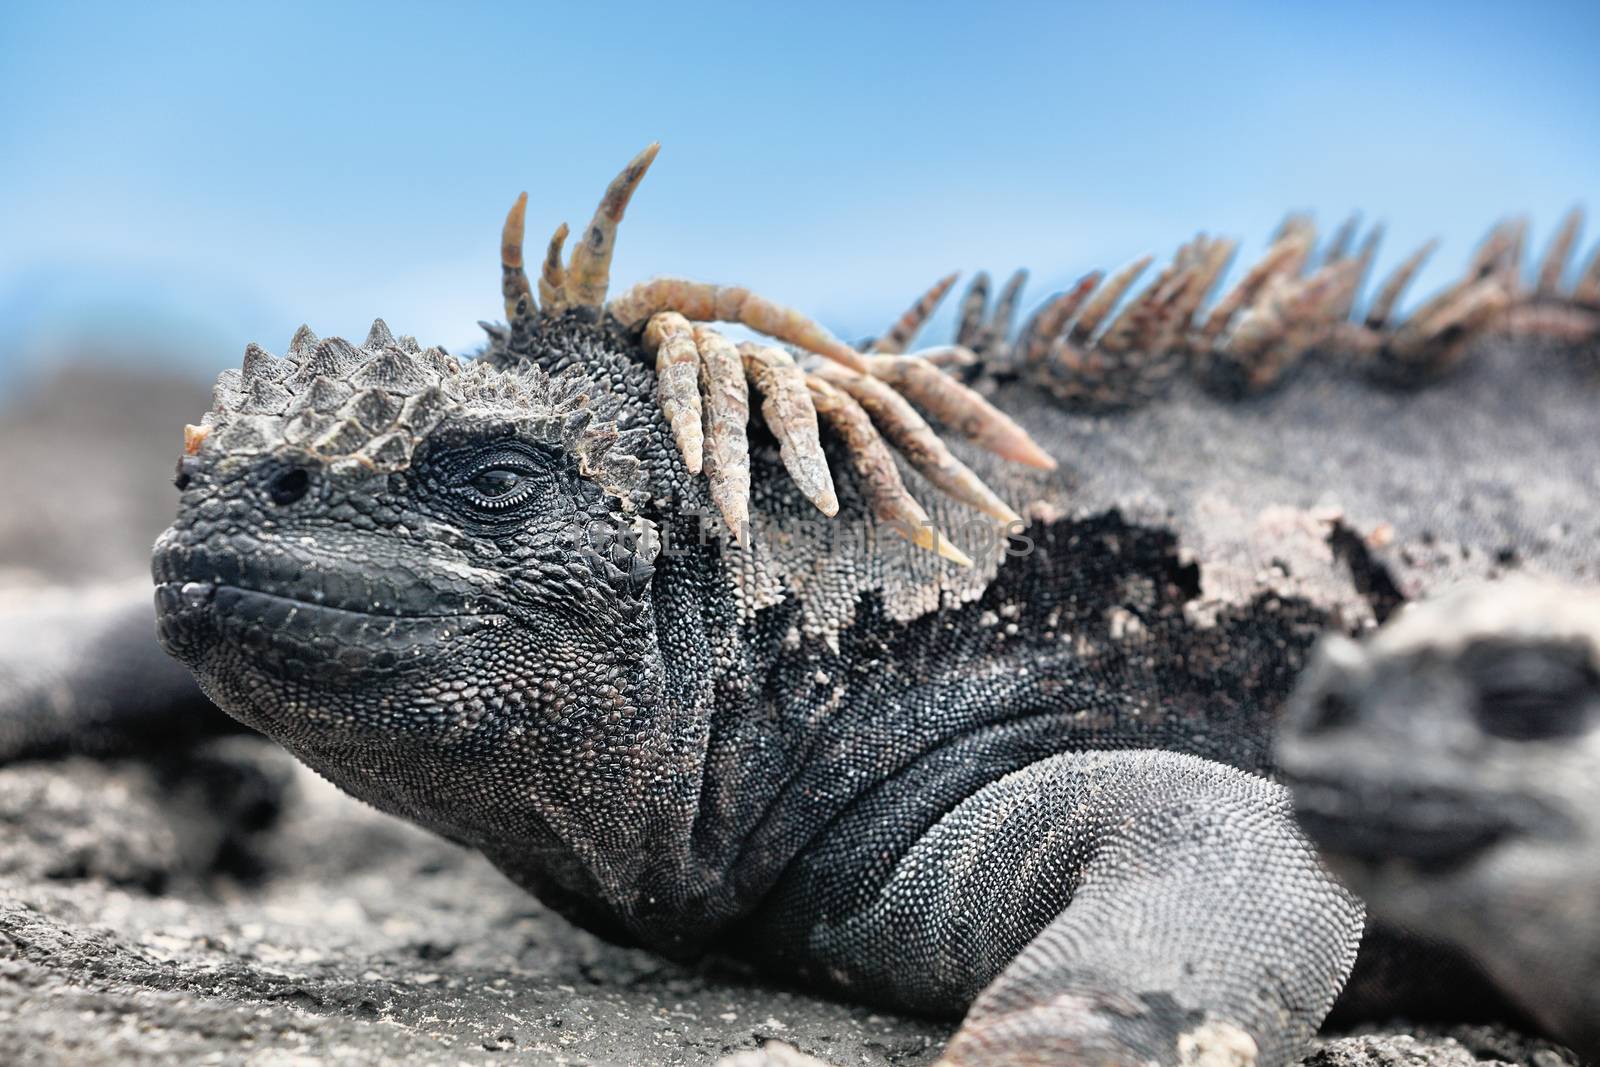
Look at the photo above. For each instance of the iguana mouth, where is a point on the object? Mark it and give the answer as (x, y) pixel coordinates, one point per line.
(312, 581)
(194, 595)
(289, 633)
(1431, 826)
(1375, 840)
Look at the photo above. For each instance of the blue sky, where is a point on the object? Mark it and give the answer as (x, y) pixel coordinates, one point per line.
(192, 177)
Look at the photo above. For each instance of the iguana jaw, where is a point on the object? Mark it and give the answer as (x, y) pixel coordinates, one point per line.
(1365, 823)
(281, 632)
(319, 636)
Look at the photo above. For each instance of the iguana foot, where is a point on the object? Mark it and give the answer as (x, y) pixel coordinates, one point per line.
(1098, 1030)
(871, 402)
(705, 398)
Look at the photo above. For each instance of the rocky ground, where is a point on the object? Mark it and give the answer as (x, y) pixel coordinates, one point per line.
(226, 906)
(233, 907)
(131, 930)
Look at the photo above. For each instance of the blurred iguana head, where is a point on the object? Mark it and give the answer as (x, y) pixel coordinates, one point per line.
(1466, 724)
(1449, 768)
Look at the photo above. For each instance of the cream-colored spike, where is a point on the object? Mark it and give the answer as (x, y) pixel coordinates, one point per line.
(906, 326)
(1295, 226)
(1587, 291)
(915, 440)
(704, 302)
(1566, 323)
(946, 356)
(553, 276)
(998, 327)
(1389, 293)
(974, 302)
(1215, 257)
(513, 279)
(1555, 260)
(1339, 243)
(1328, 292)
(958, 407)
(669, 337)
(1283, 259)
(1502, 244)
(727, 412)
(1051, 320)
(1340, 311)
(792, 418)
(1170, 307)
(1137, 315)
(1100, 305)
(874, 465)
(589, 273)
(1470, 310)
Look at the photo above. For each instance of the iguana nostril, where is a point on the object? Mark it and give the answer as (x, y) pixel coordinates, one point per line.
(289, 486)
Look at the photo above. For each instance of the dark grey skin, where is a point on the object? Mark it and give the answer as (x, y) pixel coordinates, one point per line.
(1029, 792)
(1449, 768)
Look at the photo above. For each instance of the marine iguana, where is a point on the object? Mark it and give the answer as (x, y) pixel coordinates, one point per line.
(1449, 768)
(1017, 778)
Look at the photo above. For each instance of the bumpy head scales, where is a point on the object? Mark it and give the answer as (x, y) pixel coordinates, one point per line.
(367, 409)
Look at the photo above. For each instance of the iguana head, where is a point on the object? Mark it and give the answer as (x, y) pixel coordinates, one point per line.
(1449, 767)
(404, 567)
(435, 580)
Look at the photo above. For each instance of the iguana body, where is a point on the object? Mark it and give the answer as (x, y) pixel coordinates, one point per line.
(1022, 786)
(687, 767)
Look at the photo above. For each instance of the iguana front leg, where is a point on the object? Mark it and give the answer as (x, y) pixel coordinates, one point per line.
(1198, 926)
(870, 401)
(1109, 908)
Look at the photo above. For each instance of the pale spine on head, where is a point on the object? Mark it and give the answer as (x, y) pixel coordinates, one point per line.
(367, 409)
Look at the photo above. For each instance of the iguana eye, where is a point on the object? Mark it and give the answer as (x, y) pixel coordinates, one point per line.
(1534, 692)
(500, 486)
(497, 481)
